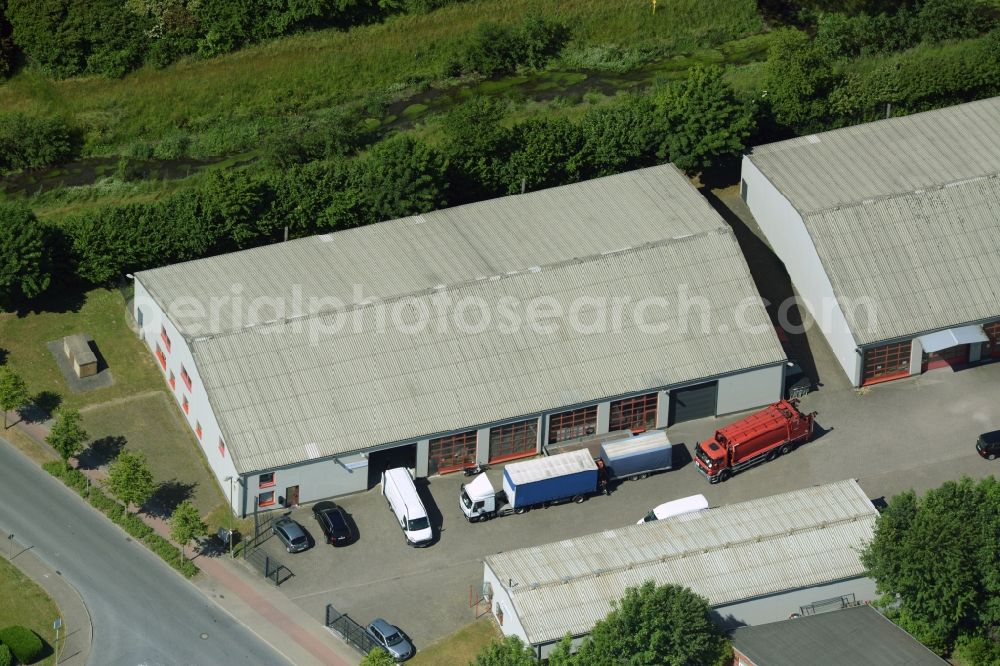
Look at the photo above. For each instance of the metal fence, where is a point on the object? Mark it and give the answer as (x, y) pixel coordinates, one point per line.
(269, 567)
(832, 604)
(351, 631)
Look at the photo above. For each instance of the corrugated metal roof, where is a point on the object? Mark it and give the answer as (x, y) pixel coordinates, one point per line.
(903, 214)
(443, 247)
(549, 466)
(276, 387)
(727, 554)
(859, 636)
(886, 157)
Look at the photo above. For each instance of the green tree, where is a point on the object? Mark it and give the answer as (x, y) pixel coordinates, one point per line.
(799, 77)
(705, 123)
(378, 657)
(665, 626)
(544, 155)
(936, 563)
(401, 176)
(939, 20)
(507, 652)
(130, 479)
(13, 392)
(619, 137)
(67, 435)
(25, 270)
(186, 524)
(236, 202)
(476, 145)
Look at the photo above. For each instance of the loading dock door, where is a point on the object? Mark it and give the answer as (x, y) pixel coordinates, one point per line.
(693, 402)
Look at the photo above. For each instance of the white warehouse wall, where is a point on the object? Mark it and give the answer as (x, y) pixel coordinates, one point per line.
(501, 599)
(751, 389)
(776, 607)
(787, 236)
(200, 410)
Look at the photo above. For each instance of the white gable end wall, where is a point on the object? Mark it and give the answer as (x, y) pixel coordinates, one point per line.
(199, 409)
(786, 233)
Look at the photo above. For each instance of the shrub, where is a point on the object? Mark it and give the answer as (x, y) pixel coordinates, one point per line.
(170, 554)
(105, 504)
(499, 49)
(134, 525)
(29, 141)
(5, 657)
(23, 643)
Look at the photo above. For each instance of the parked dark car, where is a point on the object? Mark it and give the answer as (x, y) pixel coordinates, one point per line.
(988, 445)
(292, 535)
(390, 639)
(334, 523)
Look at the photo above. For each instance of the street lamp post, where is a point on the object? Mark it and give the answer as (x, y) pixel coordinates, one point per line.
(230, 480)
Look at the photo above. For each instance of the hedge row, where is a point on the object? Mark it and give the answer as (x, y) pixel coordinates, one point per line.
(22, 642)
(130, 522)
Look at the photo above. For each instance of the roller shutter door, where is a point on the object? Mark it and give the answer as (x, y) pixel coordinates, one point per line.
(693, 402)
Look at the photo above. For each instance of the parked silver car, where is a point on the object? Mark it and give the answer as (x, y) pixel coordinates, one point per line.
(390, 639)
(292, 535)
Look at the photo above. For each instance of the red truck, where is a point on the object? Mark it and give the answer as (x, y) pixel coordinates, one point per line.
(760, 437)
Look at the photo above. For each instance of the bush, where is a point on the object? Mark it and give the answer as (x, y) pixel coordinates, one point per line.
(134, 525)
(5, 657)
(23, 643)
(977, 651)
(499, 49)
(170, 554)
(27, 142)
(105, 504)
(939, 20)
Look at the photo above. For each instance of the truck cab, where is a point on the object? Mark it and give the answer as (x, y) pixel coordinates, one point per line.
(478, 499)
(712, 454)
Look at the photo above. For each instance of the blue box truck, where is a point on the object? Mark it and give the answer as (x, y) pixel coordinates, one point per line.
(555, 479)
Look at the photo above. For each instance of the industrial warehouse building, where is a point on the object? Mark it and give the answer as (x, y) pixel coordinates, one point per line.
(756, 562)
(889, 233)
(854, 636)
(306, 368)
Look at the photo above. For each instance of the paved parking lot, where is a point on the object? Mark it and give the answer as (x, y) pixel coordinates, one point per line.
(914, 433)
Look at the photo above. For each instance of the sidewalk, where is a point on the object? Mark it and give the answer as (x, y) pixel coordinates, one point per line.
(301, 638)
(77, 634)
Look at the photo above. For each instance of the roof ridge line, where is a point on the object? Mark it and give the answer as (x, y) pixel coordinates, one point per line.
(352, 307)
(696, 551)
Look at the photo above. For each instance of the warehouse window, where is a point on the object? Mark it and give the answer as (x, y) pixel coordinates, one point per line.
(186, 378)
(222, 448)
(172, 380)
(165, 337)
(267, 480)
(266, 499)
(637, 413)
(184, 404)
(452, 453)
(886, 362)
(569, 425)
(992, 348)
(197, 429)
(160, 357)
(514, 440)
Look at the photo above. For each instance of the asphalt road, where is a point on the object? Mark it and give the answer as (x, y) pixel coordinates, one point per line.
(142, 611)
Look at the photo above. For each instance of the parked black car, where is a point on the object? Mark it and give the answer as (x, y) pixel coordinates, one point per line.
(988, 445)
(292, 535)
(334, 523)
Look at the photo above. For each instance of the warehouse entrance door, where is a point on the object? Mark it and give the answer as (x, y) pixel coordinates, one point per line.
(693, 402)
(399, 456)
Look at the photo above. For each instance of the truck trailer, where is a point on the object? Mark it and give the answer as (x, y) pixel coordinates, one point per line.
(637, 457)
(760, 437)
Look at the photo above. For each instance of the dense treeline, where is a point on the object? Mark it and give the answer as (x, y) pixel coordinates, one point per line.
(936, 562)
(113, 37)
(331, 173)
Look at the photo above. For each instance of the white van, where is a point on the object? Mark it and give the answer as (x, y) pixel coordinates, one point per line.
(676, 508)
(401, 494)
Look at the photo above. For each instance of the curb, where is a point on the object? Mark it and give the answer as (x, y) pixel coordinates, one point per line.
(66, 598)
